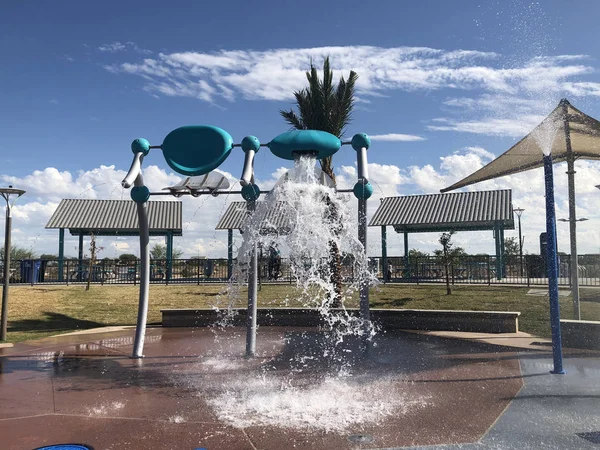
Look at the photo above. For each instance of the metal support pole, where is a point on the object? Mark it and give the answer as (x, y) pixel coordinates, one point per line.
(520, 242)
(502, 253)
(384, 259)
(80, 257)
(572, 213)
(364, 282)
(7, 228)
(406, 258)
(61, 253)
(169, 255)
(229, 254)
(498, 251)
(252, 293)
(140, 329)
(573, 238)
(552, 265)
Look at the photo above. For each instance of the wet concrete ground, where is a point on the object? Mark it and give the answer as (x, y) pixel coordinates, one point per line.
(194, 389)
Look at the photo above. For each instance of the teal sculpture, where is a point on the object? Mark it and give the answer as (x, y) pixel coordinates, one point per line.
(199, 149)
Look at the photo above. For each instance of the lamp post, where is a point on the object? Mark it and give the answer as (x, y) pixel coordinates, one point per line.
(519, 211)
(6, 194)
(552, 265)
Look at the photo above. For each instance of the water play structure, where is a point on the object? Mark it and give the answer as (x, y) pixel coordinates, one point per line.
(199, 149)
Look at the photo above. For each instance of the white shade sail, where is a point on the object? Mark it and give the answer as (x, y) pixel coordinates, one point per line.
(566, 129)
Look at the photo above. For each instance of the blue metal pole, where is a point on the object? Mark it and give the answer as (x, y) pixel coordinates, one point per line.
(552, 265)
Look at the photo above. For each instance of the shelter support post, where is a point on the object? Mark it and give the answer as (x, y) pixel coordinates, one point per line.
(364, 282)
(384, 260)
(552, 267)
(229, 253)
(61, 253)
(498, 252)
(169, 255)
(406, 257)
(80, 257)
(502, 252)
(252, 293)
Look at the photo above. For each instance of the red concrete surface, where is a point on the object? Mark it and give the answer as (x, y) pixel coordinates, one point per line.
(86, 389)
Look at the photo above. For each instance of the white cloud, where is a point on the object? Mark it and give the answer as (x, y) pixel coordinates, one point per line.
(275, 74)
(396, 137)
(481, 152)
(116, 47)
(494, 126)
(112, 48)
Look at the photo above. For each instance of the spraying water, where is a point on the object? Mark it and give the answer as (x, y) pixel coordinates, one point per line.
(304, 218)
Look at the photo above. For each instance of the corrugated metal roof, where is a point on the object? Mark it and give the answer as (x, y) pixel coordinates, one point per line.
(273, 219)
(479, 210)
(112, 217)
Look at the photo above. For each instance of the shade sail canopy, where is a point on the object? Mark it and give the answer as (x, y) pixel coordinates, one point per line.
(115, 217)
(459, 211)
(566, 129)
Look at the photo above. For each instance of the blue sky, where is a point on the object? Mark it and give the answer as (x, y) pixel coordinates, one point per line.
(460, 80)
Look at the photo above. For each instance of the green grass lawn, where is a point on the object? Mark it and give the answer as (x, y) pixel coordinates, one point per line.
(41, 311)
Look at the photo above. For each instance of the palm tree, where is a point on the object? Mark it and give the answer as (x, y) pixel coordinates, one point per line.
(323, 106)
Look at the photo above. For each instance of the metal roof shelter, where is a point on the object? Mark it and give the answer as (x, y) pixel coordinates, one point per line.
(461, 211)
(274, 221)
(570, 134)
(84, 217)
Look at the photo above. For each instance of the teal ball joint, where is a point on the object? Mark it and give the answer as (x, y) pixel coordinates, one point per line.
(140, 145)
(140, 194)
(360, 140)
(250, 192)
(363, 191)
(250, 143)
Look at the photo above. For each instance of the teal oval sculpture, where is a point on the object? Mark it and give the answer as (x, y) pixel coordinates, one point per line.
(320, 143)
(196, 149)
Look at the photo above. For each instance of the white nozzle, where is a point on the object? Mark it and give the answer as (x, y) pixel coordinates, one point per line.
(363, 171)
(247, 173)
(134, 170)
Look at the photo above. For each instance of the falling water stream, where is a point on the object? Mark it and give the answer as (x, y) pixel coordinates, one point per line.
(310, 379)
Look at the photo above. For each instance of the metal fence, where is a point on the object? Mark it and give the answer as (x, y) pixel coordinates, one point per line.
(530, 270)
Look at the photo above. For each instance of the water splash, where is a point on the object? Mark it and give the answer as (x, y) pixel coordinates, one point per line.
(304, 218)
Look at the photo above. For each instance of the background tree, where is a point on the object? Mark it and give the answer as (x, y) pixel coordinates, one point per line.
(159, 251)
(326, 107)
(449, 253)
(511, 246)
(414, 253)
(18, 253)
(48, 256)
(126, 257)
(94, 249)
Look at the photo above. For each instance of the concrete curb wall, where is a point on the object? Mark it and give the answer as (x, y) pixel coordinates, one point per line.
(388, 319)
(580, 334)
